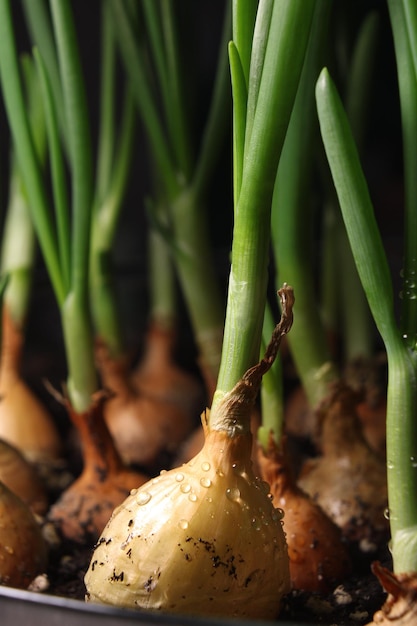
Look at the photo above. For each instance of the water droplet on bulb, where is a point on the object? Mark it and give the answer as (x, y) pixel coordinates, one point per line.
(256, 524)
(390, 464)
(183, 524)
(143, 498)
(205, 466)
(205, 482)
(179, 477)
(185, 488)
(233, 494)
(133, 492)
(192, 497)
(277, 514)
(386, 513)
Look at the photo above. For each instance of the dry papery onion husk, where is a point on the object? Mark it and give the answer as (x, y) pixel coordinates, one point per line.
(319, 558)
(82, 510)
(147, 427)
(348, 480)
(193, 444)
(22, 478)
(203, 538)
(24, 421)
(23, 550)
(400, 608)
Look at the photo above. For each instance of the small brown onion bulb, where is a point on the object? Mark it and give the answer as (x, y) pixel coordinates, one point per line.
(202, 538)
(24, 421)
(23, 552)
(22, 478)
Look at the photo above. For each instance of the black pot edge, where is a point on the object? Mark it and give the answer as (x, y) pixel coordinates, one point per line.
(33, 609)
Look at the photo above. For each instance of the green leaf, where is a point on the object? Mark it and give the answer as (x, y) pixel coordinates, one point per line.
(356, 205)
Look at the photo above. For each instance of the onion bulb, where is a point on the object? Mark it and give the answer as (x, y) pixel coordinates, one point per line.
(24, 421)
(145, 427)
(23, 552)
(400, 607)
(348, 480)
(319, 558)
(22, 478)
(83, 509)
(204, 537)
(158, 376)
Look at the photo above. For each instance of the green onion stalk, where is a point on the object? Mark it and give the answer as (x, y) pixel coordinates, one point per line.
(65, 242)
(184, 178)
(38, 437)
(344, 307)
(217, 505)
(332, 415)
(261, 126)
(373, 269)
(292, 228)
(148, 412)
(158, 371)
(114, 164)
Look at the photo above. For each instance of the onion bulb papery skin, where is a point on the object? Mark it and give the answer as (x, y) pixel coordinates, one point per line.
(203, 538)
(23, 551)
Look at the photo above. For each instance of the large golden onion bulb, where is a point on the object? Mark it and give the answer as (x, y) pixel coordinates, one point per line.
(203, 539)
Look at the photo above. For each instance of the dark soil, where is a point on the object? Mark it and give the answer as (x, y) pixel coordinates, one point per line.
(352, 603)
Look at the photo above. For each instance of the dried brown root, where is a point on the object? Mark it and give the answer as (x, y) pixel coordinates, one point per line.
(400, 607)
